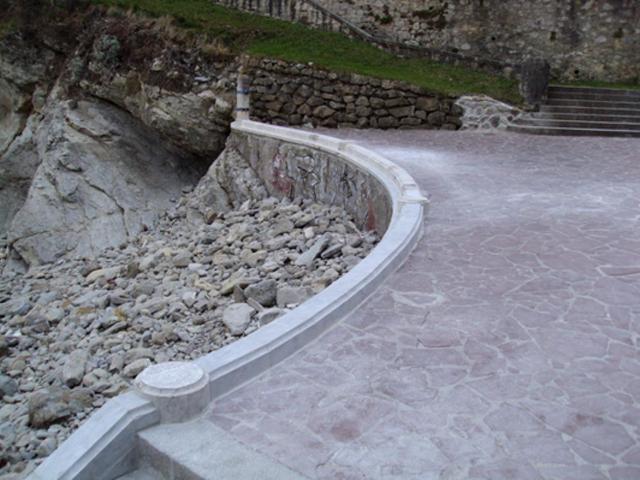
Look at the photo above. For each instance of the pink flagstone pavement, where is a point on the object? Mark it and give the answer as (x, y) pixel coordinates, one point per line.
(507, 346)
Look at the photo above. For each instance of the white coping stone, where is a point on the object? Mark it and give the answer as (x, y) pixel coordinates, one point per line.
(229, 367)
(170, 379)
(179, 390)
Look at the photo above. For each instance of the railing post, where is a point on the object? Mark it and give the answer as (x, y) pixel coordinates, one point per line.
(243, 100)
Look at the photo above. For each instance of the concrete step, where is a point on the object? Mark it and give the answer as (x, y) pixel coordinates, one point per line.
(590, 110)
(593, 103)
(593, 97)
(536, 130)
(199, 450)
(588, 124)
(144, 473)
(586, 117)
(588, 91)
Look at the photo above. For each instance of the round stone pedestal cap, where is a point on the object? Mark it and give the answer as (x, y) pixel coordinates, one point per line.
(171, 379)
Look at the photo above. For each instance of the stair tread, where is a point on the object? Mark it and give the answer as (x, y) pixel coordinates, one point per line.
(595, 90)
(585, 123)
(144, 473)
(569, 131)
(201, 450)
(571, 108)
(586, 103)
(587, 116)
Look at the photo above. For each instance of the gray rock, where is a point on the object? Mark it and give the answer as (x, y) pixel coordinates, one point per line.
(292, 295)
(47, 446)
(269, 315)
(306, 259)
(143, 288)
(137, 353)
(53, 404)
(55, 315)
(332, 251)
(231, 284)
(4, 346)
(8, 386)
(237, 317)
(135, 367)
(182, 259)
(105, 273)
(263, 292)
(189, 298)
(74, 368)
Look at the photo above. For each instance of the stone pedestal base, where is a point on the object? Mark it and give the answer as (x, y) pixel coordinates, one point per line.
(179, 390)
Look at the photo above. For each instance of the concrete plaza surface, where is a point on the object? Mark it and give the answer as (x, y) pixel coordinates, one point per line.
(506, 347)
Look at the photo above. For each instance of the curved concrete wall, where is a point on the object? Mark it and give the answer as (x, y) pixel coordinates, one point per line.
(295, 170)
(105, 446)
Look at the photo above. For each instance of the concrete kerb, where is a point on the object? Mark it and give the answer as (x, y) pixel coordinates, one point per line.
(108, 437)
(102, 448)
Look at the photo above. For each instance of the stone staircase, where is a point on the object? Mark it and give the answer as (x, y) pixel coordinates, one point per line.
(584, 111)
(199, 450)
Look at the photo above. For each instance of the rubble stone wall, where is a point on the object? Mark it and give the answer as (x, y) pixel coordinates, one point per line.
(296, 94)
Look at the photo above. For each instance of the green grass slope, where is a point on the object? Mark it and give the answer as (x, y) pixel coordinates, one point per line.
(267, 37)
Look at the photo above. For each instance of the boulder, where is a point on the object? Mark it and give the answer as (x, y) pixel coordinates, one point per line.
(306, 259)
(292, 295)
(8, 386)
(53, 404)
(237, 317)
(102, 178)
(263, 292)
(74, 368)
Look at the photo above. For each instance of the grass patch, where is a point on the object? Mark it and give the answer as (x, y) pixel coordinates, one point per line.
(268, 37)
(600, 84)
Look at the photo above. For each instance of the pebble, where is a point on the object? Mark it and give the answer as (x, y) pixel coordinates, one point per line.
(134, 368)
(263, 292)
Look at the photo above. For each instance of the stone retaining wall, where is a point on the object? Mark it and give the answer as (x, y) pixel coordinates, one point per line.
(296, 94)
(291, 170)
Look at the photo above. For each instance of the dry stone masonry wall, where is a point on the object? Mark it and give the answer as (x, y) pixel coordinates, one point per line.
(594, 39)
(297, 94)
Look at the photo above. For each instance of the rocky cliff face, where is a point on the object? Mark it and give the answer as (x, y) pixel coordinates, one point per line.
(103, 121)
(101, 179)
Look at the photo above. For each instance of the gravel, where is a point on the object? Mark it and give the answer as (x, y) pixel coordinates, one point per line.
(76, 332)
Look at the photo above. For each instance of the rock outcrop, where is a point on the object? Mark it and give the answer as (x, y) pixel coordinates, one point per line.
(102, 124)
(24, 79)
(102, 178)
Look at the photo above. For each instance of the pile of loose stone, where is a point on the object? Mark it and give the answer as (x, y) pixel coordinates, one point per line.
(75, 333)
